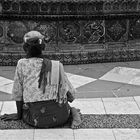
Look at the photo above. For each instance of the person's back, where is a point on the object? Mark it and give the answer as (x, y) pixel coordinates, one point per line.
(29, 71)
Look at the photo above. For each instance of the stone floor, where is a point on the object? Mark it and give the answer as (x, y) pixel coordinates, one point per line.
(105, 88)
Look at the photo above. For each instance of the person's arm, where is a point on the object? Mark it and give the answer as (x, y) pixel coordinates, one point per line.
(19, 105)
(14, 116)
(67, 86)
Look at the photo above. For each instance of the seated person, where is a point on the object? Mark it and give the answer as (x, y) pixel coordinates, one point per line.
(41, 88)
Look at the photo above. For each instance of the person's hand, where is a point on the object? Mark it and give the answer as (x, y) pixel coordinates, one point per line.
(9, 117)
(70, 97)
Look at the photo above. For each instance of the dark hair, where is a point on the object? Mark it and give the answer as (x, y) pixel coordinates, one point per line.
(33, 48)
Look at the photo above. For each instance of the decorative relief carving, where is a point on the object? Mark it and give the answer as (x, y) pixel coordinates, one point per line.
(107, 6)
(63, 8)
(53, 7)
(2, 37)
(15, 7)
(124, 6)
(48, 30)
(6, 5)
(35, 7)
(44, 7)
(134, 30)
(115, 30)
(93, 31)
(116, 6)
(91, 8)
(74, 24)
(69, 32)
(16, 31)
(1, 31)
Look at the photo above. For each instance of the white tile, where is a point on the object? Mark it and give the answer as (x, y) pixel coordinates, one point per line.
(122, 105)
(7, 88)
(137, 99)
(69, 74)
(53, 134)
(127, 134)
(9, 107)
(135, 81)
(1, 106)
(93, 134)
(78, 80)
(4, 81)
(16, 134)
(89, 106)
(123, 75)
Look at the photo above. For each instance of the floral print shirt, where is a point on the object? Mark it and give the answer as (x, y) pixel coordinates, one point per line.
(26, 82)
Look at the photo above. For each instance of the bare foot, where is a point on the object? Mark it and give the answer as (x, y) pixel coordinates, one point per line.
(76, 118)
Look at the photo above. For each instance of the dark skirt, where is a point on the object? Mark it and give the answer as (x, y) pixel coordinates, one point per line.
(46, 114)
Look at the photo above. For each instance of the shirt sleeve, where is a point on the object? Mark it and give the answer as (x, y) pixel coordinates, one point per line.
(17, 91)
(67, 84)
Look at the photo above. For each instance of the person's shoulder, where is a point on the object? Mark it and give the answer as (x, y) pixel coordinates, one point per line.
(21, 61)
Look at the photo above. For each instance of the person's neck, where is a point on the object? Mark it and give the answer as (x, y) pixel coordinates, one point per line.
(39, 56)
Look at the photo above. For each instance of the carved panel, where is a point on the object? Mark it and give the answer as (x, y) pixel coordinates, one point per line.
(69, 31)
(16, 30)
(93, 31)
(64, 7)
(2, 38)
(15, 7)
(116, 30)
(48, 29)
(134, 29)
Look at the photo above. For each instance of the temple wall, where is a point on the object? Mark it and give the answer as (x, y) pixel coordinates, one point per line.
(76, 32)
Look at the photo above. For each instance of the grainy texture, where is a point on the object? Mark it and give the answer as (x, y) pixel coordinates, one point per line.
(88, 121)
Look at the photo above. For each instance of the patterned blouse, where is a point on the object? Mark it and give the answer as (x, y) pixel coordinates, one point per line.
(26, 82)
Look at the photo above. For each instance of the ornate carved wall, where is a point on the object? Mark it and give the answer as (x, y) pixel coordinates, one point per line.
(79, 31)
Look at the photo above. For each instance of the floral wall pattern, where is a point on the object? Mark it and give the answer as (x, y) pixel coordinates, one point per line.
(75, 31)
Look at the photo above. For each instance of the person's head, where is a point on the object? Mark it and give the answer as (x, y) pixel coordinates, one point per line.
(33, 44)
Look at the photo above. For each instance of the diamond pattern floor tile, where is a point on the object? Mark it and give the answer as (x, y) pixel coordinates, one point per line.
(123, 75)
(7, 88)
(78, 80)
(4, 81)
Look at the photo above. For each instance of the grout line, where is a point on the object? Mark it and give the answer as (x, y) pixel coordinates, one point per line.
(136, 103)
(73, 134)
(114, 134)
(104, 106)
(34, 134)
(1, 107)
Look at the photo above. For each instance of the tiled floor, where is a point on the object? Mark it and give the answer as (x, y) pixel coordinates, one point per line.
(69, 134)
(123, 75)
(108, 83)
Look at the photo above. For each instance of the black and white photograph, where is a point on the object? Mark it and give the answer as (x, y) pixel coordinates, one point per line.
(69, 69)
